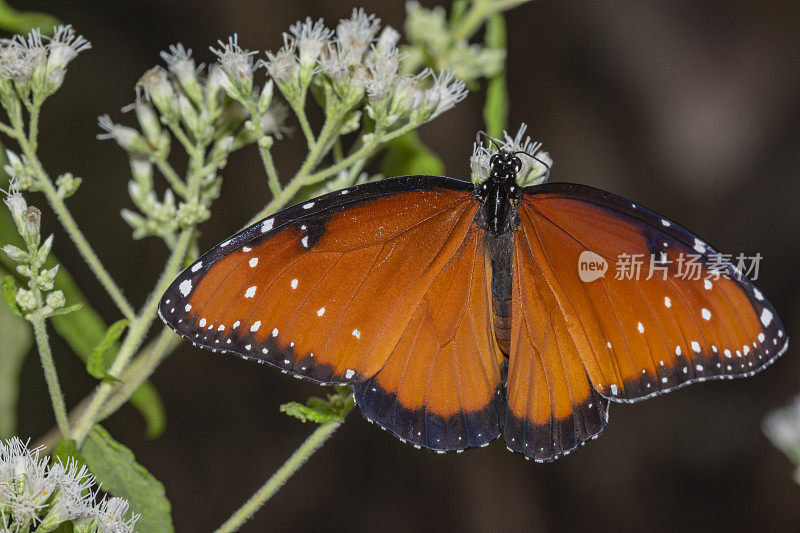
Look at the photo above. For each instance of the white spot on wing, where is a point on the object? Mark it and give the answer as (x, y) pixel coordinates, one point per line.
(309, 205)
(667, 302)
(250, 292)
(640, 327)
(349, 374)
(188, 307)
(699, 246)
(294, 283)
(275, 332)
(766, 317)
(706, 314)
(356, 334)
(185, 287)
(236, 324)
(267, 225)
(707, 284)
(304, 241)
(613, 389)
(665, 223)
(197, 266)
(321, 311)
(253, 262)
(202, 323)
(757, 294)
(246, 248)
(255, 326)
(695, 346)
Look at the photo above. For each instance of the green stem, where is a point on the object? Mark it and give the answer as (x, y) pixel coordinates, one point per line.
(302, 180)
(133, 339)
(71, 227)
(477, 15)
(172, 177)
(292, 465)
(50, 374)
(140, 369)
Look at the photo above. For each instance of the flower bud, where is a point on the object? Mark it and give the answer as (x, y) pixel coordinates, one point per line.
(55, 299)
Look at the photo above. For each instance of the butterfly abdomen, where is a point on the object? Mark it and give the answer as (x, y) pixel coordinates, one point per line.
(502, 285)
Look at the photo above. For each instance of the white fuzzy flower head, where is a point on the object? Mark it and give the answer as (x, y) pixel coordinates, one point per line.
(535, 165)
(14, 200)
(283, 64)
(272, 122)
(382, 66)
(357, 33)
(782, 427)
(444, 94)
(24, 476)
(333, 62)
(310, 38)
(22, 55)
(110, 516)
(128, 138)
(237, 64)
(64, 46)
(388, 39)
(179, 61)
(158, 89)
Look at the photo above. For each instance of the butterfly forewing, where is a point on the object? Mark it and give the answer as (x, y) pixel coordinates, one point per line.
(325, 289)
(640, 335)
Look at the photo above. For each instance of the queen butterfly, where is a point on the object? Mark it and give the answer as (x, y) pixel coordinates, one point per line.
(457, 312)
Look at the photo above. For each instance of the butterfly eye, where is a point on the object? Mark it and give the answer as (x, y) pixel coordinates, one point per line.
(494, 160)
(516, 163)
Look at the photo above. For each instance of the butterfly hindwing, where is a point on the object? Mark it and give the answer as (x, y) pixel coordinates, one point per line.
(640, 337)
(441, 386)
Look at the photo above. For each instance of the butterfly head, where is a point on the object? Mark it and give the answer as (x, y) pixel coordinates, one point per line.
(503, 167)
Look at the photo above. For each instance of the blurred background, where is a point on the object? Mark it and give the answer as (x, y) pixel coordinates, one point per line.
(690, 108)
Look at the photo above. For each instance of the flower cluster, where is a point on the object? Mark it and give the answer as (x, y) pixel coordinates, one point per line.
(782, 427)
(192, 103)
(433, 36)
(39, 297)
(536, 164)
(37, 494)
(34, 66)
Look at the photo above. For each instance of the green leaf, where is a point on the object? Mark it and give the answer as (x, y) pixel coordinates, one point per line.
(116, 468)
(16, 343)
(320, 411)
(10, 294)
(95, 364)
(315, 410)
(408, 155)
(495, 109)
(15, 21)
(64, 450)
(66, 310)
(147, 400)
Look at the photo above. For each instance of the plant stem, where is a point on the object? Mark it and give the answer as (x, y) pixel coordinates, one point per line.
(302, 180)
(133, 339)
(281, 476)
(172, 177)
(50, 374)
(71, 227)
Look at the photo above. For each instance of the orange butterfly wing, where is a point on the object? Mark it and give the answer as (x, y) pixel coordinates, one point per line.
(441, 386)
(632, 338)
(383, 280)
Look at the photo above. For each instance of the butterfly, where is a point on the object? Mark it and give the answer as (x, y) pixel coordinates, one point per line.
(459, 312)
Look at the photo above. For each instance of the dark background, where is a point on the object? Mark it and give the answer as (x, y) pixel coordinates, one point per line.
(690, 108)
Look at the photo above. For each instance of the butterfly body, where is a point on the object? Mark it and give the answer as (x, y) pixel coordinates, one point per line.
(457, 312)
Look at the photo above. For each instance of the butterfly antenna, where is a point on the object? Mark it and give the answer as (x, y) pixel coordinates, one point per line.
(547, 166)
(488, 137)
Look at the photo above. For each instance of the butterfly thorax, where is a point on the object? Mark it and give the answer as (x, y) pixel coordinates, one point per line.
(498, 193)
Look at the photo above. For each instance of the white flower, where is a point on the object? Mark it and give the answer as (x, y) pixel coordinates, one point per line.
(21, 55)
(310, 37)
(272, 122)
(536, 164)
(110, 516)
(14, 200)
(357, 33)
(445, 93)
(237, 64)
(282, 64)
(333, 62)
(782, 426)
(382, 66)
(64, 46)
(388, 39)
(179, 59)
(127, 138)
